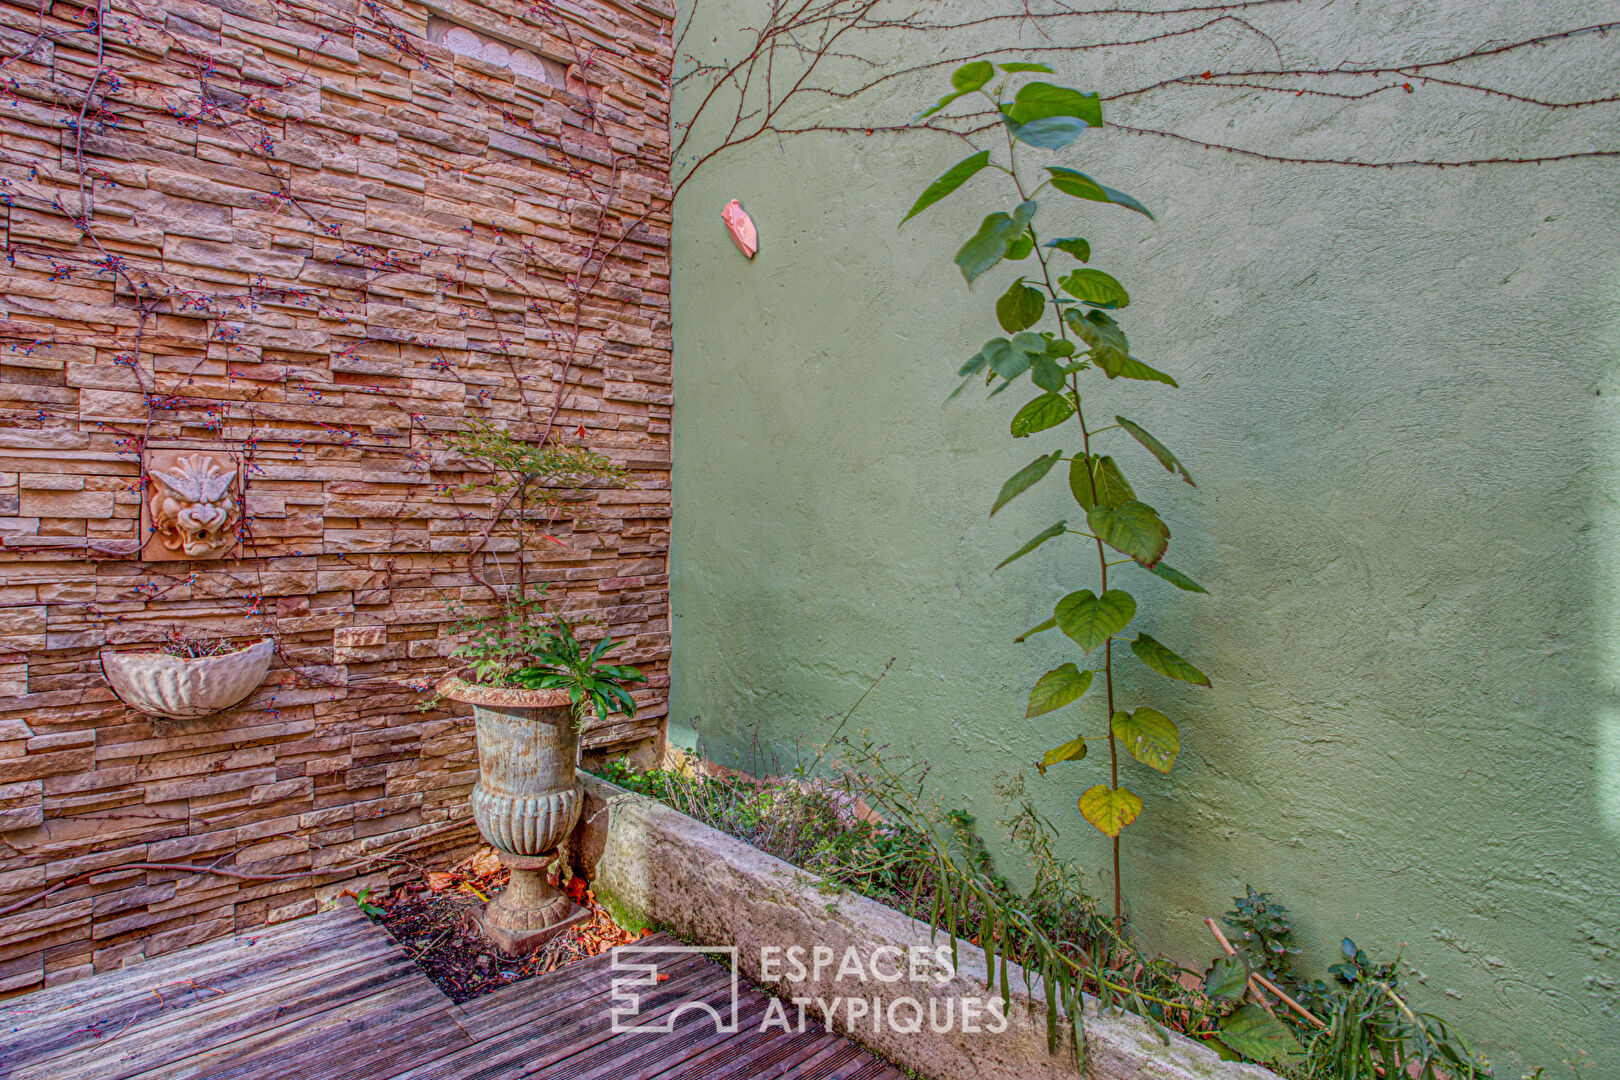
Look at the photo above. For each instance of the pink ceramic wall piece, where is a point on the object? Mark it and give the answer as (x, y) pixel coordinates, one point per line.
(741, 227)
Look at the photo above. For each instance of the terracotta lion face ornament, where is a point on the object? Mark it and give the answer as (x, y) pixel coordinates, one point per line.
(194, 511)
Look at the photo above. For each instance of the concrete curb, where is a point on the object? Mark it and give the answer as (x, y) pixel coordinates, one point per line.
(652, 865)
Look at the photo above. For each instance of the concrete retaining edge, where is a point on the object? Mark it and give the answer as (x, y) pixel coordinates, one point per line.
(653, 866)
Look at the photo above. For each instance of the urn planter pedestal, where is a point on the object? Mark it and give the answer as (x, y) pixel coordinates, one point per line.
(525, 803)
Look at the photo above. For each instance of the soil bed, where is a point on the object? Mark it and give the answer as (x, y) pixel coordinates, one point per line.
(435, 920)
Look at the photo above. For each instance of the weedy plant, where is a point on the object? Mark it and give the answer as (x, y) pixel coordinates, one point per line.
(191, 647)
(871, 828)
(1083, 340)
(1374, 1032)
(1263, 932)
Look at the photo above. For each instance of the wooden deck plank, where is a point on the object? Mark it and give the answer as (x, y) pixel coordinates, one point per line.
(521, 1002)
(620, 1055)
(528, 1000)
(759, 1055)
(173, 1035)
(829, 1063)
(260, 1054)
(660, 1054)
(93, 1014)
(333, 997)
(342, 928)
(383, 1041)
(23, 1014)
(524, 1049)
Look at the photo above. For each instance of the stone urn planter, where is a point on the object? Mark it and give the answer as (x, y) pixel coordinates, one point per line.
(526, 803)
(184, 688)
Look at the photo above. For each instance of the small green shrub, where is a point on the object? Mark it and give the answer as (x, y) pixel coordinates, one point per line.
(1263, 932)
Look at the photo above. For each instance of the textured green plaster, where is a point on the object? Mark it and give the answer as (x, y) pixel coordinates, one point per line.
(1400, 403)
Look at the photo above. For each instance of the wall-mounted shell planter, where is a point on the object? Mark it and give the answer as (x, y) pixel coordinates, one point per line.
(162, 685)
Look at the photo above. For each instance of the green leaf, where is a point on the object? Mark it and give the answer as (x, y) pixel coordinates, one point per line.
(1081, 481)
(1101, 333)
(1057, 688)
(1089, 619)
(1039, 629)
(1024, 478)
(1165, 662)
(954, 178)
(1149, 736)
(1110, 809)
(1077, 246)
(965, 80)
(988, 246)
(975, 364)
(1105, 480)
(1133, 528)
(1081, 186)
(1176, 577)
(1130, 367)
(1156, 448)
(1025, 66)
(1048, 410)
(1259, 1036)
(1003, 359)
(1095, 287)
(1020, 307)
(1112, 487)
(1046, 374)
(1073, 750)
(1227, 978)
(969, 77)
(1020, 246)
(936, 106)
(1048, 133)
(1010, 359)
(1040, 100)
(1040, 538)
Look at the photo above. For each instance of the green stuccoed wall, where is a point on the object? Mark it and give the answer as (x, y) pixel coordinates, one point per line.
(1399, 396)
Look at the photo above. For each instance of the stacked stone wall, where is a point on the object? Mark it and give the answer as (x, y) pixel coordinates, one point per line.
(320, 237)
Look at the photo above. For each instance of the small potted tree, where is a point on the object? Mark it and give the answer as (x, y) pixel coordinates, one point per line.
(531, 683)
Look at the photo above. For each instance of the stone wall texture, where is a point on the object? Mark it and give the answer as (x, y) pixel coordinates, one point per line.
(319, 235)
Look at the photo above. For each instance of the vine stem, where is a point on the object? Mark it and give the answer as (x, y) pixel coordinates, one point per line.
(1091, 483)
(1108, 646)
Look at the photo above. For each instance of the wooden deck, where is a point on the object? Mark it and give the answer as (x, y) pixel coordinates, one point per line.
(333, 996)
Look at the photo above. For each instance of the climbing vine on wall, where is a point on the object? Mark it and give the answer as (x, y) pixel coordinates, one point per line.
(128, 82)
(803, 61)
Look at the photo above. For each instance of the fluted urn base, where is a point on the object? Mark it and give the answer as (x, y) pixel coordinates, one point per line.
(526, 803)
(529, 912)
